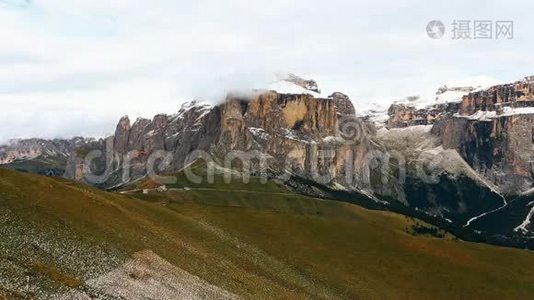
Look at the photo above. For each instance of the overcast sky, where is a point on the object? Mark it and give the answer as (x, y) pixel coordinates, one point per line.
(72, 67)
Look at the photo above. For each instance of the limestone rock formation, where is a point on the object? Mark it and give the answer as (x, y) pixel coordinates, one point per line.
(491, 133)
(518, 94)
(403, 115)
(288, 130)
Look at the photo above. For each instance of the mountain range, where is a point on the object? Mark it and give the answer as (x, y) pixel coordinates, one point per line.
(456, 161)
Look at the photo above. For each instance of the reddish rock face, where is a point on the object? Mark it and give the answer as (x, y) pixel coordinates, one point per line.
(273, 112)
(518, 94)
(294, 128)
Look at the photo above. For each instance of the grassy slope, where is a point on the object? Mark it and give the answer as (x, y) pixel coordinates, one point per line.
(255, 243)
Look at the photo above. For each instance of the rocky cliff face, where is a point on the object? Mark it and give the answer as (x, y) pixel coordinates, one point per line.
(288, 131)
(491, 133)
(403, 115)
(293, 131)
(490, 128)
(417, 111)
(438, 181)
(500, 149)
(123, 157)
(494, 132)
(518, 94)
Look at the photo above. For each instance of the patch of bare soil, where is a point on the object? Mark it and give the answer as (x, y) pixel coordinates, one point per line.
(148, 276)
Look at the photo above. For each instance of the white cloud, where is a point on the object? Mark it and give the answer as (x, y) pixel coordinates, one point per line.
(74, 67)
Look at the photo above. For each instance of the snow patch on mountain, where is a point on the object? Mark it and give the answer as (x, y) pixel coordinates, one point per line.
(190, 105)
(523, 227)
(374, 112)
(452, 91)
(259, 132)
(286, 87)
(482, 115)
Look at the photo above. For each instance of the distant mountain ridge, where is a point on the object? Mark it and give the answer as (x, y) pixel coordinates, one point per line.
(19, 149)
(41, 156)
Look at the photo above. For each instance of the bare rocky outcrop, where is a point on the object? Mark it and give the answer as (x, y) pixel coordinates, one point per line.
(405, 115)
(129, 149)
(308, 84)
(148, 276)
(344, 105)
